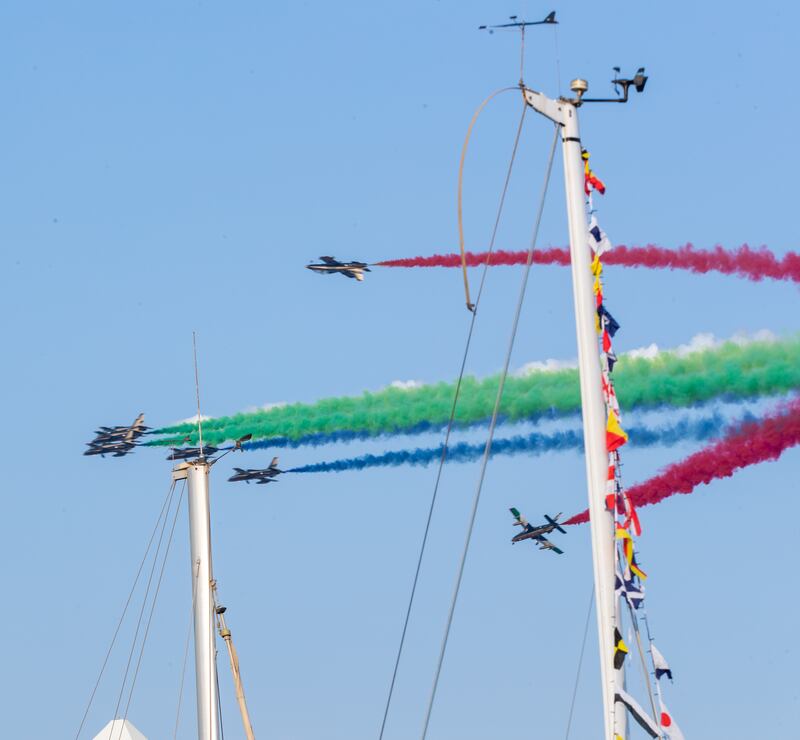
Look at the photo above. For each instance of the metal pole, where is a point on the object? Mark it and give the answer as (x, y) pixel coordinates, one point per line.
(565, 113)
(233, 656)
(593, 406)
(204, 649)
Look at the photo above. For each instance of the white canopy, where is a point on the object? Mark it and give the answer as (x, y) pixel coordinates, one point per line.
(119, 729)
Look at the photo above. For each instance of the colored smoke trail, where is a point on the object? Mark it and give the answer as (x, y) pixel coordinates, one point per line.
(730, 371)
(533, 444)
(748, 444)
(753, 264)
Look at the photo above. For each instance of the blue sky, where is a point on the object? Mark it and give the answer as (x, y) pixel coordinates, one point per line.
(172, 167)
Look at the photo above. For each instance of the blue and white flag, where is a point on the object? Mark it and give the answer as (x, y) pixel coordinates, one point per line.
(660, 663)
(633, 594)
(598, 240)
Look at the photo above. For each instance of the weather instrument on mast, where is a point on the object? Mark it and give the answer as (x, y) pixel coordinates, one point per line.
(549, 20)
(639, 80)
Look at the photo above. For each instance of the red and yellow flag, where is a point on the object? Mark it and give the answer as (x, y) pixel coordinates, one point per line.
(615, 434)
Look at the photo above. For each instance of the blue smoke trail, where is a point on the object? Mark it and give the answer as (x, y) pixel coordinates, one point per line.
(345, 436)
(535, 444)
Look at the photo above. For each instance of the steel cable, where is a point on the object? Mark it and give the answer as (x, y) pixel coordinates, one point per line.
(492, 425)
(124, 611)
(458, 382)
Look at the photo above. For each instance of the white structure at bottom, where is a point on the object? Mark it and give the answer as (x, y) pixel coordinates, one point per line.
(119, 729)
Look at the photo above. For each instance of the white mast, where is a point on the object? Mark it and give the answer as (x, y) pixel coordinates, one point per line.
(196, 474)
(565, 114)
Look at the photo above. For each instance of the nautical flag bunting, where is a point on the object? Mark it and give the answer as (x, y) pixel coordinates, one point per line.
(615, 434)
(669, 725)
(629, 591)
(620, 649)
(591, 181)
(642, 718)
(660, 663)
(598, 241)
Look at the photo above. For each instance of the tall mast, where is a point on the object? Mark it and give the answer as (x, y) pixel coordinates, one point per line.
(196, 474)
(565, 114)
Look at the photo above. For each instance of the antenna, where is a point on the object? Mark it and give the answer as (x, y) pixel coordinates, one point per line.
(197, 393)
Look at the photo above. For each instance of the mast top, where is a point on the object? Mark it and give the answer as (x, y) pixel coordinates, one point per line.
(197, 394)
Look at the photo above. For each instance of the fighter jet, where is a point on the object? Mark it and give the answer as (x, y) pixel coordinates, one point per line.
(129, 433)
(117, 449)
(529, 532)
(351, 269)
(117, 440)
(189, 453)
(265, 475)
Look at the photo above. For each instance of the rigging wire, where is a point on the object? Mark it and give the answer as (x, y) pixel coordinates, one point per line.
(470, 306)
(580, 663)
(646, 674)
(652, 661)
(153, 603)
(124, 611)
(457, 392)
(492, 425)
(558, 59)
(144, 603)
(186, 652)
(219, 703)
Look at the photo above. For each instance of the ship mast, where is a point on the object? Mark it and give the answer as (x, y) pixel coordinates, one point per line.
(196, 475)
(205, 655)
(564, 113)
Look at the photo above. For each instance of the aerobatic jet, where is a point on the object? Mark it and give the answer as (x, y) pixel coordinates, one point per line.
(351, 269)
(529, 532)
(189, 453)
(117, 440)
(117, 449)
(265, 475)
(128, 433)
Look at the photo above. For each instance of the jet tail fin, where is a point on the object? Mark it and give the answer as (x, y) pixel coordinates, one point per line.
(554, 522)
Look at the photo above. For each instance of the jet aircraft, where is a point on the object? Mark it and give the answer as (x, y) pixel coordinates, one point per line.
(265, 475)
(351, 269)
(529, 532)
(117, 449)
(117, 440)
(189, 453)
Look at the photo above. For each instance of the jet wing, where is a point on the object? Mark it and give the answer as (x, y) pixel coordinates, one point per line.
(521, 520)
(330, 261)
(545, 544)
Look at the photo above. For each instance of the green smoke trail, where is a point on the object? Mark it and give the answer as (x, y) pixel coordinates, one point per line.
(731, 370)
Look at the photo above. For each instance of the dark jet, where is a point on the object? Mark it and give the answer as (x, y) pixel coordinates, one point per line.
(128, 434)
(117, 449)
(349, 269)
(117, 441)
(265, 475)
(550, 20)
(190, 453)
(529, 532)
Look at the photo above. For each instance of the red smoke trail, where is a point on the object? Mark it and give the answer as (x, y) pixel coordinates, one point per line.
(749, 444)
(753, 264)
